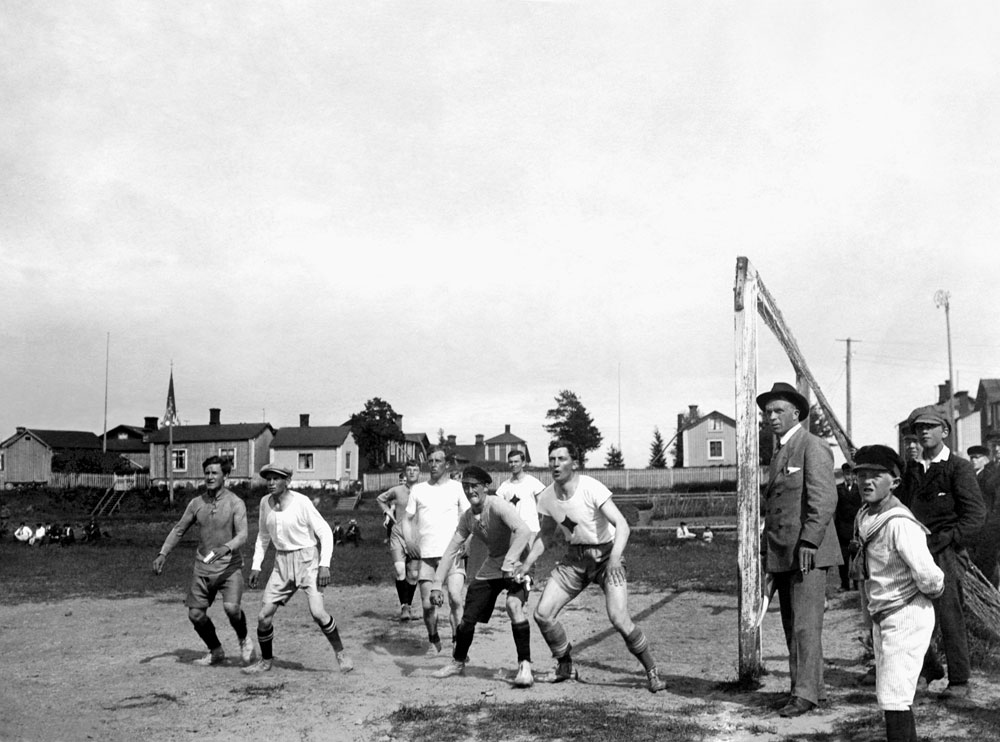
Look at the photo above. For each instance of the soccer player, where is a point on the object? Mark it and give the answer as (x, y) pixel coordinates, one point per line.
(432, 514)
(522, 491)
(497, 524)
(596, 534)
(303, 544)
(393, 503)
(900, 580)
(218, 565)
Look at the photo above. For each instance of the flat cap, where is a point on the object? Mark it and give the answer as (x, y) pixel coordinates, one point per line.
(878, 458)
(931, 414)
(977, 451)
(279, 471)
(476, 474)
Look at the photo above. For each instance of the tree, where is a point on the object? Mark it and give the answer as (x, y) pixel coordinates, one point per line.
(614, 459)
(657, 456)
(571, 422)
(374, 427)
(818, 424)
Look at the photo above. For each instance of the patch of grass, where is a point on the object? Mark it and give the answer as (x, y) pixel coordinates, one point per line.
(542, 722)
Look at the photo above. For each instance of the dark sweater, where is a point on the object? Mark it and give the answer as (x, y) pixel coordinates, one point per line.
(946, 499)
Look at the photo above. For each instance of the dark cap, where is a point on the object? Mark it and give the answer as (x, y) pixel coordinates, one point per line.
(977, 451)
(276, 470)
(931, 414)
(878, 458)
(781, 390)
(477, 475)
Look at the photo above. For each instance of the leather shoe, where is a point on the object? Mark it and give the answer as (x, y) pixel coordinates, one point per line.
(796, 707)
(955, 692)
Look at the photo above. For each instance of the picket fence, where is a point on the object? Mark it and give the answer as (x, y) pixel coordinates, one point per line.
(118, 482)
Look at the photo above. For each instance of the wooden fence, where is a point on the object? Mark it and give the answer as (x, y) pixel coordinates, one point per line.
(119, 482)
(619, 480)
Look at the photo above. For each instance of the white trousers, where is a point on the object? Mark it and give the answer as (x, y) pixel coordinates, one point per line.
(901, 640)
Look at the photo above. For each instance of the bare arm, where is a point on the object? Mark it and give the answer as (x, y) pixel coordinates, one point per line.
(616, 569)
(545, 537)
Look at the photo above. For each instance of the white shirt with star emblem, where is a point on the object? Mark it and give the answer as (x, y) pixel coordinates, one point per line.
(522, 495)
(580, 517)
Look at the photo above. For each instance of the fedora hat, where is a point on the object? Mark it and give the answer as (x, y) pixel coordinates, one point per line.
(781, 390)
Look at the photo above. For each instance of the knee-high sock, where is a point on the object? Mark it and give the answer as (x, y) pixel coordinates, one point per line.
(332, 635)
(639, 646)
(522, 640)
(898, 725)
(463, 640)
(401, 592)
(206, 630)
(411, 588)
(265, 637)
(555, 636)
(239, 625)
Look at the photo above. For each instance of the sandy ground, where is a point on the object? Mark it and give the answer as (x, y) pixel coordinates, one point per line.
(121, 669)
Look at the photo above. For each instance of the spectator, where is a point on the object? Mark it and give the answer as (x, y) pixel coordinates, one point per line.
(683, 532)
(338, 534)
(353, 534)
(92, 531)
(67, 536)
(707, 535)
(985, 547)
(23, 533)
(38, 537)
(848, 504)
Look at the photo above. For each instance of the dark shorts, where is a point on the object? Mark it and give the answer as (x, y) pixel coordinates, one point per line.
(204, 588)
(582, 566)
(481, 597)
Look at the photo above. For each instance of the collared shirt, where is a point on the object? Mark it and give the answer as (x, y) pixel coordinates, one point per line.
(222, 521)
(943, 455)
(787, 436)
(297, 525)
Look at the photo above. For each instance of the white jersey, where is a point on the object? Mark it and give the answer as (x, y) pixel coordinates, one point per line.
(298, 525)
(523, 495)
(437, 508)
(580, 517)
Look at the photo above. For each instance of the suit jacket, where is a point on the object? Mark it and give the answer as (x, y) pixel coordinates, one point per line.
(989, 485)
(946, 499)
(799, 503)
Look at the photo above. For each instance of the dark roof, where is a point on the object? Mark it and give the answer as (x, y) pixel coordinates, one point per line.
(989, 391)
(505, 438)
(420, 438)
(134, 431)
(63, 439)
(208, 433)
(469, 453)
(127, 445)
(713, 413)
(329, 436)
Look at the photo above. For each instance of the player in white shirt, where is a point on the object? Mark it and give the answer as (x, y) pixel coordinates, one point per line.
(303, 545)
(432, 514)
(596, 534)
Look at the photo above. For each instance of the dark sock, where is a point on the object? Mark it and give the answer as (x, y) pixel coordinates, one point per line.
(434, 638)
(639, 646)
(264, 638)
(522, 640)
(239, 625)
(463, 640)
(411, 588)
(332, 635)
(897, 726)
(206, 630)
(401, 591)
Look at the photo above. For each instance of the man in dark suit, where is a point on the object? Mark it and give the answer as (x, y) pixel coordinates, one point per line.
(848, 504)
(800, 541)
(986, 546)
(941, 491)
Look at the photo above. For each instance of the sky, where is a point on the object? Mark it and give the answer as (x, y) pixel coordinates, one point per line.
(464, 208)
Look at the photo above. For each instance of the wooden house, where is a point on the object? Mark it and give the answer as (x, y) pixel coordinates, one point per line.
(247, 445)
(26, 457)
(707, 440)
(321, 456)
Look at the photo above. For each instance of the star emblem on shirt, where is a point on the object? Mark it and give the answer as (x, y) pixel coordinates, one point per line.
(568, 523)
(514, 500)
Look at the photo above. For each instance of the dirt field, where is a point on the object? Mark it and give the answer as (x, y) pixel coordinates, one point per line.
(121, 670)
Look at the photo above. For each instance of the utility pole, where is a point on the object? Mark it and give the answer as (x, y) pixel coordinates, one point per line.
(848, 417)
(942, 298)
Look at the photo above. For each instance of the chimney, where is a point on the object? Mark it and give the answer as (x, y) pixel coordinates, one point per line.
(213, 415)
(479, 439)
(304, 421)
(150, 425)
(21, 429)
(944, 391)
(480, 447)
(451, 440)
(693, 413)
(399, 421)
(506, 428)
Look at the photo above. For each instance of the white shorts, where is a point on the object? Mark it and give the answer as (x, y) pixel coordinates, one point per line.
(293, 570)
(901, 640)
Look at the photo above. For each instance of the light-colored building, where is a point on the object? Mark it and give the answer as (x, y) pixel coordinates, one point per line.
(26, 457)
(321, 456)
(708, 440)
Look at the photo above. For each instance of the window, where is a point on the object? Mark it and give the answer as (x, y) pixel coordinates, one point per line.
(715, 450)
(1, 460)
(305, 461)
(228, 453)
(180, 459)
(347, 461)
(715, 424)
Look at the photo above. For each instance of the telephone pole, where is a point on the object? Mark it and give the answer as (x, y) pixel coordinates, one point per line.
(943, 299)
(848, 417)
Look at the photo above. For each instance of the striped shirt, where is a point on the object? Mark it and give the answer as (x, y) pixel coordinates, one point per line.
(899, 563)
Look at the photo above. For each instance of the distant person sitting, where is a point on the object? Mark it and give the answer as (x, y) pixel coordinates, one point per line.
(683, 532)
(53, 534)
(67, 536)
(707, 535)
(23, 533)
(353, 534)
(92, 531)
(338, 534)
(38, 537)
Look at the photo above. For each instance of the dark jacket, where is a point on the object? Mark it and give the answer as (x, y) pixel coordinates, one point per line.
(946, 499)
